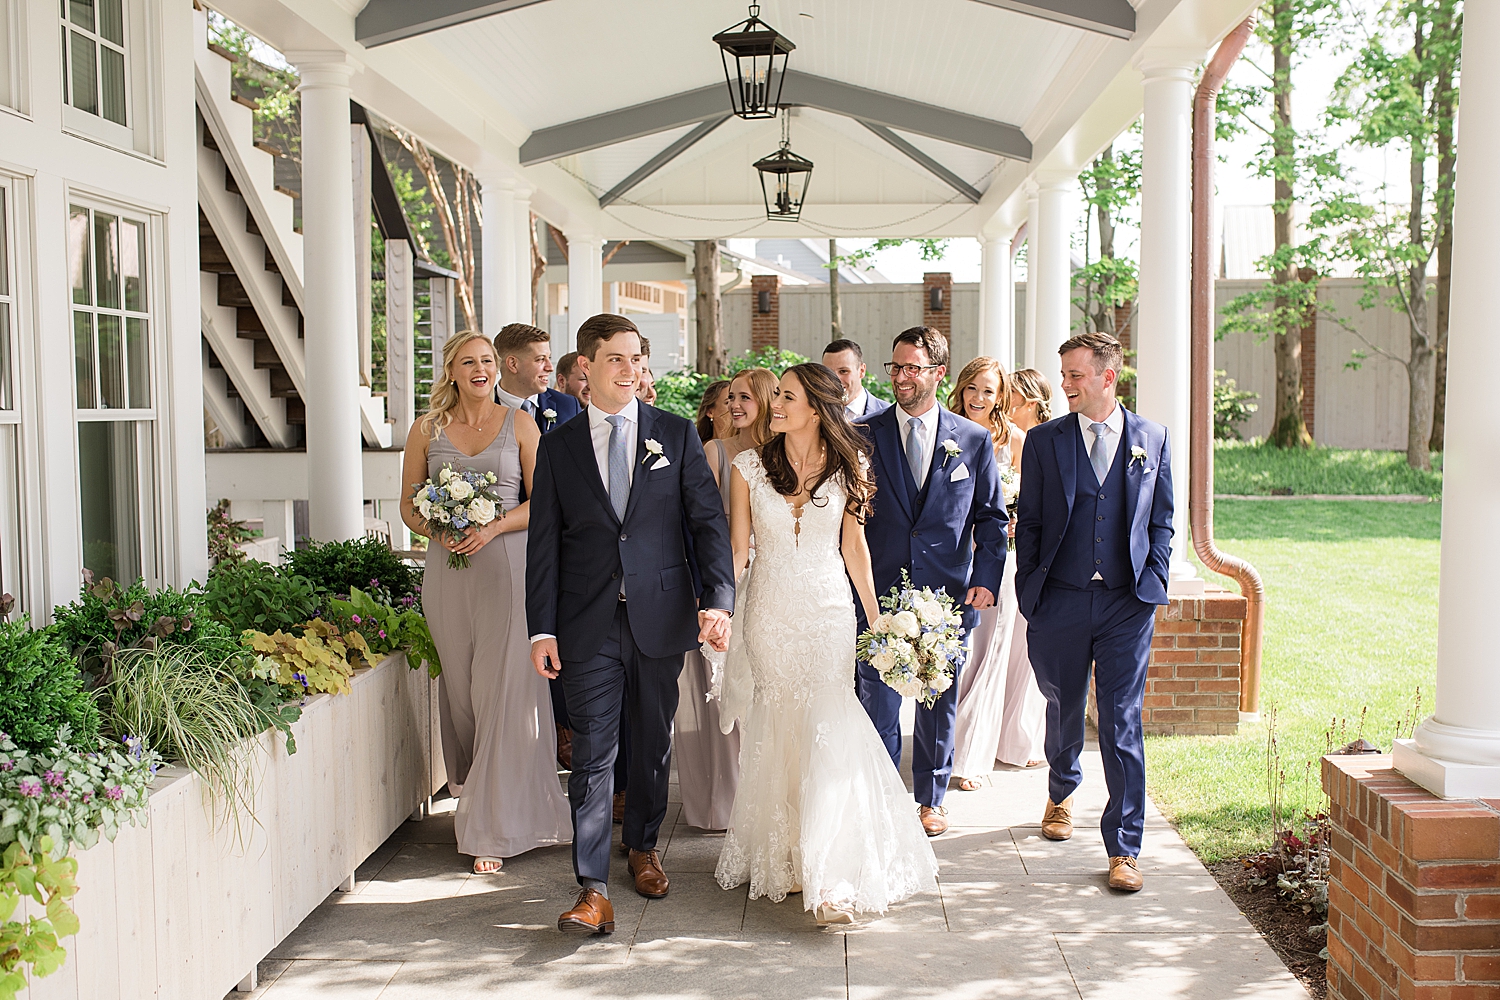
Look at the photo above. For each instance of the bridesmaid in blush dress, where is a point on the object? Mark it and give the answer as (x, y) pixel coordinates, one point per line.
(499, 743)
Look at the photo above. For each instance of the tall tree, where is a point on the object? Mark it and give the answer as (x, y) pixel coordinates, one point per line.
(1298, 165)
(709, 316)
(835, 307)
(1111, 188)
(1391, 95)
(458, 217)
(1445, 107)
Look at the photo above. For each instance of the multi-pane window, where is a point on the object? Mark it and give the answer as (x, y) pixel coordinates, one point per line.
(12, 565)
(109, 268)
(93, 54)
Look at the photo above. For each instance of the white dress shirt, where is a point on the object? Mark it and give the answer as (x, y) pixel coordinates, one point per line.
(929, 433)
(1114, 433)
(510, 399)
(856, 406)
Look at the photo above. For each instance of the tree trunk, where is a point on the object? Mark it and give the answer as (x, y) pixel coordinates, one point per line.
(1104, 311)
(1445, 106)
(835, 308)
(1419, 364)
(710, 335)
(1288, 430)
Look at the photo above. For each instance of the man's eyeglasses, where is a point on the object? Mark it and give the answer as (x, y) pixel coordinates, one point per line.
(910, 371)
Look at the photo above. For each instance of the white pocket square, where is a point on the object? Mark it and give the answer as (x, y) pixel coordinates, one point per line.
(660, 463)
(959, 474)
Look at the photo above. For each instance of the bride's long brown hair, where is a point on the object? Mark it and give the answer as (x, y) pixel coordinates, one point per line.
(847, 450)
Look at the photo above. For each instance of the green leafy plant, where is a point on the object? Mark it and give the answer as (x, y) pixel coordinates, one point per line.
(337, 567)
(386, 629)
(257, 595)
(41, 691)
(1232, 407)
(316, 656)
(32, 945)
(107, 619)
(225, 535)
(71, 795)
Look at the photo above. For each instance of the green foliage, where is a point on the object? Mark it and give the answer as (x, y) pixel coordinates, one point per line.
(316, 656)
(225, 535)
(1232, 406)
(41, 691)
(929, 250)
(367, 563)
(257, 595)
(106, 619)
(70, 795)
(386, 629)
(681, 391)
(1263, 469)
(31, 946)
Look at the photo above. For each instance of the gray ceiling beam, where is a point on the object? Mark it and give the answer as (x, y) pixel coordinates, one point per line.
(1115, 18)
(802, 89)
(942, 173)
(386, 21)
(661, 159)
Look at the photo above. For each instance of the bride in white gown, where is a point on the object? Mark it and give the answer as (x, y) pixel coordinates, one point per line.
(820, 809)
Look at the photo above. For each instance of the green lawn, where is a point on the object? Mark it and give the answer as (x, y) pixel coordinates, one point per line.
(1261, 469)
(1351, 628)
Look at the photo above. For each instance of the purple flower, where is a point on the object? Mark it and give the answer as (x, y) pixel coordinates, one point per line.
(53, 778)
(374, 581)
(29, 788)
(382, 633)
(7, 765)
(114, 793)
(356, 619)
(61, 796)
(88, 796)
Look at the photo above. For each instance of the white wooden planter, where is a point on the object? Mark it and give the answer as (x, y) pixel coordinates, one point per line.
(184, 907)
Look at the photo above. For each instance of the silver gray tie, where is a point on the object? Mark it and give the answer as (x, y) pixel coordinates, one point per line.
(619, 465)
(1099, 453)
(529, 407)
(915, 449)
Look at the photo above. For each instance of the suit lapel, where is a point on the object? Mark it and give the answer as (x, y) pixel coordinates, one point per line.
(645, 428)
(581, 445)
(1065, 447)
(888, 444)
(939, 460)
(1134, 471)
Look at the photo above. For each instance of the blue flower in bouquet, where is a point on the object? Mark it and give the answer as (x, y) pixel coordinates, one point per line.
(457, 500)
(916, 643)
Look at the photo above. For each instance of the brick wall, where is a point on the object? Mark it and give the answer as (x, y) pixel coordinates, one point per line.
(765, 328)
(942, 320)
(1413, 888)
(1193, 676)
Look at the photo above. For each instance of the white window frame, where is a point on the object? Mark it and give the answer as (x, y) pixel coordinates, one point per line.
(142, 52)
(27, 585)
(151, 462)
(15, 87)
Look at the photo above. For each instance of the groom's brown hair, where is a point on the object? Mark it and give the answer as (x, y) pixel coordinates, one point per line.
(597, 329)
(1108, 352)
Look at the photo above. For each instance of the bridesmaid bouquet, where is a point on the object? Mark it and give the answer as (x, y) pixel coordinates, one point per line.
(1010, 493)
(459, 499)
(916, 644)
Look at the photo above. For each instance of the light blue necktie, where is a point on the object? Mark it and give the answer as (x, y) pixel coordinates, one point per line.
(619, 465)
(1099, 453)
(529, 407)
(914, 449)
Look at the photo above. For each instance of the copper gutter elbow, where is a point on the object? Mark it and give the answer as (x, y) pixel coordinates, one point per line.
(1201, 424)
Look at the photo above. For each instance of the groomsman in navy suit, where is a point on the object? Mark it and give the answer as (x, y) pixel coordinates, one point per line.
(1093, 539)
(940, 516)
(524, 354)
(847, 359)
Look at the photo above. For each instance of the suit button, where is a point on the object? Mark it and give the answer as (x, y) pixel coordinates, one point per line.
(916, 534)
(1101, 496)
(1044, 569)
(1098, 562)
(1101, 517)
(623, 537)
(1098, 539)
(614, 576)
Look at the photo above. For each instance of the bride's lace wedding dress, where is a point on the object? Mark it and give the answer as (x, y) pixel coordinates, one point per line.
(819, 809)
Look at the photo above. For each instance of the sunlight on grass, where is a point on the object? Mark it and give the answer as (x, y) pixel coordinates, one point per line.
(1351, 626)
(1258, 468)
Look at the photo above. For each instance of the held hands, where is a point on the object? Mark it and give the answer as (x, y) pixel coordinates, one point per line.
(473, 540)
(979, 598)
(544, 657)
(713, 628)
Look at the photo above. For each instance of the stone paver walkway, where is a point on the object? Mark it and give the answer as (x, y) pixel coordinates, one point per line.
(1016, 916)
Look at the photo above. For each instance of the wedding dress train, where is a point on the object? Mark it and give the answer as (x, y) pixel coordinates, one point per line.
(820, 809)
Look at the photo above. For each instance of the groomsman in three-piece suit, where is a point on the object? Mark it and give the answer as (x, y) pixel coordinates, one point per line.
(524, 354)
(847, 359)
(1093, 540)
(626, 526)
(940, 516)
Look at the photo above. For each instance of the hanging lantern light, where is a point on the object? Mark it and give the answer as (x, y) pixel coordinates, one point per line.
(760, 53)
(784, 177)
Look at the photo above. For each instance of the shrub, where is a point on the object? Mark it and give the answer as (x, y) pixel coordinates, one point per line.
(317, 656)
(259, 596)
(105, 619)
(1232, 407)
(338, 567)
(41, 691)
(385, 628)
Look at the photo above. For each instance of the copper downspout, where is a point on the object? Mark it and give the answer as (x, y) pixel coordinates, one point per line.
(1201, 425)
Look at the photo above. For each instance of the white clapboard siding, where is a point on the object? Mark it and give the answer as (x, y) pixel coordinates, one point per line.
(183, 907)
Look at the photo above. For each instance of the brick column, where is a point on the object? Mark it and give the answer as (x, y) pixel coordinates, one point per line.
(941, 320)
(1413, 888)
(765, 327)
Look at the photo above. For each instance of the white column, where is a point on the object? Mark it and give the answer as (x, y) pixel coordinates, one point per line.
(497, 282)
(997, 302)
(335, 487)
(1161, 337)
(1054, 275)
(585, 279)
(1033, 226)
(1456, 752)
(520, 260)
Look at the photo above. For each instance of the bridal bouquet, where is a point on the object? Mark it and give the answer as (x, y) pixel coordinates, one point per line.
(459, 499)
(916, 645)
(1010, 493)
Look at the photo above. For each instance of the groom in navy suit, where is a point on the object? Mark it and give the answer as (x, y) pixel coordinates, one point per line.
(940, 516)
(1093, 539)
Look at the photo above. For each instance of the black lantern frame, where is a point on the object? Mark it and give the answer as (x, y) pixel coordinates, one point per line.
(784, 177)
(760, 55)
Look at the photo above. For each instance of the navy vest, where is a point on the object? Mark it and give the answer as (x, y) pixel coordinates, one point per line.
(1098, 537)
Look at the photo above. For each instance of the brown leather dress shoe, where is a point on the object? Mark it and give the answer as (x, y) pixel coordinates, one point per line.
(564, 748)
(645, 868)
(619, 807)
(592, 914)
(1057, 821)
(934, 820)
(1124, 874)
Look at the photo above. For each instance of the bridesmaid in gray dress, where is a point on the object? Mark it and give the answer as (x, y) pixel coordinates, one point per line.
(498, 740)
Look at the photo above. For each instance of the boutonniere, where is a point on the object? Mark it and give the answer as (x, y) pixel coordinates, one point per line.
(654, 450)
(1137, 454)
(549, 415)
(950, 449)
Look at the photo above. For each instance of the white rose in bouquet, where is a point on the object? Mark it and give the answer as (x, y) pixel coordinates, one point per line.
(459, 489)
(1010, 486)
(931, 612)
(928, 641)
(423, 506)
(881, 625)
(444, 474)
(912, 689)
(941, 683)
(883, 660)
(902, 649)
(905, 623)
(481, 510)
(441, 515)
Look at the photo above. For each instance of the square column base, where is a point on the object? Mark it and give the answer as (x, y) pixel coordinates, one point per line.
(1446, 778)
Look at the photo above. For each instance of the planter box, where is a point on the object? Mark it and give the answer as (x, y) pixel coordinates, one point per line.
(184, 907)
